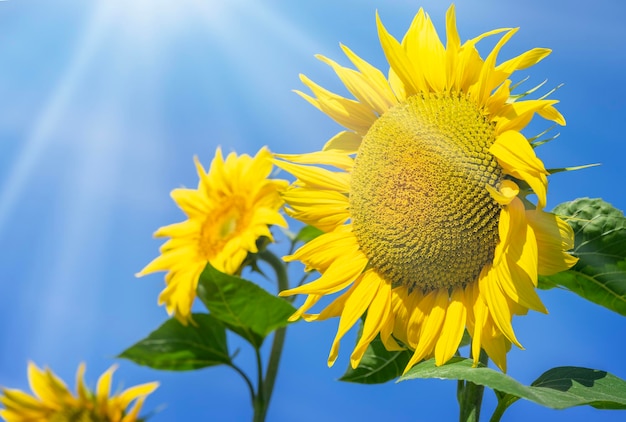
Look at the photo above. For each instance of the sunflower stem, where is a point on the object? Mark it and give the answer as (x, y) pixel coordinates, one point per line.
(470, 396)
(247, 380)
(267, 385)
(260, 402)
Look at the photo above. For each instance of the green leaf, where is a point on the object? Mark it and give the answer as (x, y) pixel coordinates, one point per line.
(242, 306)
(600, 245)
(378, 365)
(558, 388)
(307, 233)
(176, 347)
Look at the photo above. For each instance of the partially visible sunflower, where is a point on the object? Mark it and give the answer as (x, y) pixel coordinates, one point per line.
(54, 402)
(426, 223)
(233, 206)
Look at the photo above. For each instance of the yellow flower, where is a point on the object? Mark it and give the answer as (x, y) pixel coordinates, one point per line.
(426, 221)
(230, 210)
(54, 402)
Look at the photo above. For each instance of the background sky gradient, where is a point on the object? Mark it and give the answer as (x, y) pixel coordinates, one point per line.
(103, 104)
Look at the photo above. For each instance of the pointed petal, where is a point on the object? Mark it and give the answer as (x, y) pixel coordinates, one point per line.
(341, 272)
(452, 329)
(347, 142)
(399, 61)
(337, 159)
(359, 86)
(518, 159)
(358, 302)
(316, 177)
(377, 314)
(554, 238)
(431, 327)
(494, 298)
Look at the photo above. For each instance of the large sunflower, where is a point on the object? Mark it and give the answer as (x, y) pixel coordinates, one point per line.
(233, 206)
(54, 402)
(426, 223)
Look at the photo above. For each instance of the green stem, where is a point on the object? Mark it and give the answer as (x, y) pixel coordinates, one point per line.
(267, 386)
(259, 402)
(504, 402)
(470, 396)
(247, 380)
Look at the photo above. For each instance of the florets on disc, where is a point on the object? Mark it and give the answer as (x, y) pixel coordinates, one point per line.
(418, 201)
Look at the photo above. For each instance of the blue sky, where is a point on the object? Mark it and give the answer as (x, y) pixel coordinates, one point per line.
(103, 104)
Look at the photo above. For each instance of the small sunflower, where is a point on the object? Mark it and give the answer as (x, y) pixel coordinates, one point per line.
(427, 225)
(54, 402)
(233, 206)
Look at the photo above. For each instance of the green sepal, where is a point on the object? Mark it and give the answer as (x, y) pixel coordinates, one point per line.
(176, 347)
(242, 306)
(600, 244)
(307, 233)
(558, 388)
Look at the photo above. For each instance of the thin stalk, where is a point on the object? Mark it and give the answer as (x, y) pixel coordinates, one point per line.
(471, 396)
(503, 404)
(279, 335)
(259, 402)
(247, 380)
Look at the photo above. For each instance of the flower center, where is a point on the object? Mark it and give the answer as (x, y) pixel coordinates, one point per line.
(419, 207)
(221, 225)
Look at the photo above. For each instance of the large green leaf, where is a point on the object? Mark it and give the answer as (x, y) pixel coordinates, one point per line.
(242, 306)
(558, 388)
(378, 365)
(176, 347)
(600, 245)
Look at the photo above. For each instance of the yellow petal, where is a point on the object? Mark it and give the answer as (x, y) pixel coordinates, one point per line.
(485, 84)
(374, 76)
(554, 238)
(477, 316)
(507, 192)
(399, 61)
(39, 382)
(322, 251)
(103, 389)
(348, 113)
(325, 210)
(347, 142)
(339, 274)
(495, 300)
(315, 177)
(358, 302)
(515, 116)
(310, 301)
(453, 45)
(453, 327)
(434, 316)
(19, 400)
(132, 393)
(337, 159)
(523, 61)
(81, 388)
(377, 314)
(426, 53)
(362, 89)
(518, 159)
(496, 346)
(191, 201)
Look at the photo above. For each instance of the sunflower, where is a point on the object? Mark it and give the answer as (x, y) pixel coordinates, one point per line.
(54, 402)
(423, 199)
(233, 206)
